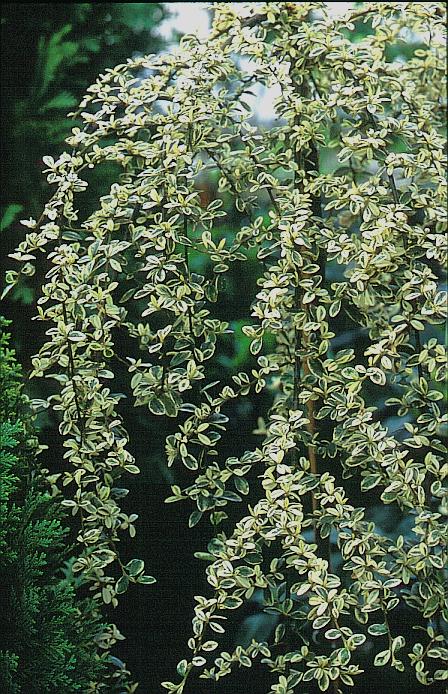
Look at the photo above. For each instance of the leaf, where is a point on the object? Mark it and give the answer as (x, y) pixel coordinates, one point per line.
(357, 639)
(320, 622)
(132, 469)
(182, 667)
(382, 658)
(147, 580)
(377, 629)
(232, 602)
(64, 100)
(344, 656)
(122, 585)
(256, 345)
(156, 406)
(370, 481)
(209, 645)
(198, 661)
(324, 682)
(377, 376)
(9, 215)
(169, 404)
(231, 496)
(76, 336)
(242, 485)
(135, 566)
(51, 54)
(204, 556)
(190, 462)
(194, 518)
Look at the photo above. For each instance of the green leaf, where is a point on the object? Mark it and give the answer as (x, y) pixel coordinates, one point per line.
(242, 485)
(122, 585)
(146, 580)
(182, 667)
(323, 682)
(204, 556)
(377, 629)
(370, 482)
(344, 656)
(194, 518)
(156, 406)
(190, 462)
(232, 603)
(64, 100)
(134, 567)
(382, 658)
(9, 215)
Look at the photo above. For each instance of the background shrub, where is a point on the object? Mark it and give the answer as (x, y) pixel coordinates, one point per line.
(51, 635)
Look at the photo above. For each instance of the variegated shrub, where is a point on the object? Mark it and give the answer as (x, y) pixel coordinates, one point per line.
(342, 200)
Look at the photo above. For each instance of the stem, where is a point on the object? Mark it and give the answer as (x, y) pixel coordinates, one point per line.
(189, 313)
(297, 366)
(418, 345)
(297, 298)
(307, 165)
(72, 373)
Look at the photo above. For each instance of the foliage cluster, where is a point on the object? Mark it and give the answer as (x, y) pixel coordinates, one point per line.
(362, 243)
(66, 43)
(53, 640)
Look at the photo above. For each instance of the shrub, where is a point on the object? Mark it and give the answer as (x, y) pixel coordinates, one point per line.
(50, 635)
(343, 203)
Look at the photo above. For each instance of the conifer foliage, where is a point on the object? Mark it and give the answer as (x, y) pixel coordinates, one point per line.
(343, 204)
(50, 635)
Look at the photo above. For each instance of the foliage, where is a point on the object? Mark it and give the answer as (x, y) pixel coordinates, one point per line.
(359, 245)
(66, 43)
(50, 636)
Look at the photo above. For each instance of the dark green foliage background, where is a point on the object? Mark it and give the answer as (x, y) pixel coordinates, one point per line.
(48, 629)
(51, 52)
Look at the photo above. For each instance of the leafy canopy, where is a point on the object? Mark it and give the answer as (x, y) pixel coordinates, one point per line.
(343, 201)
